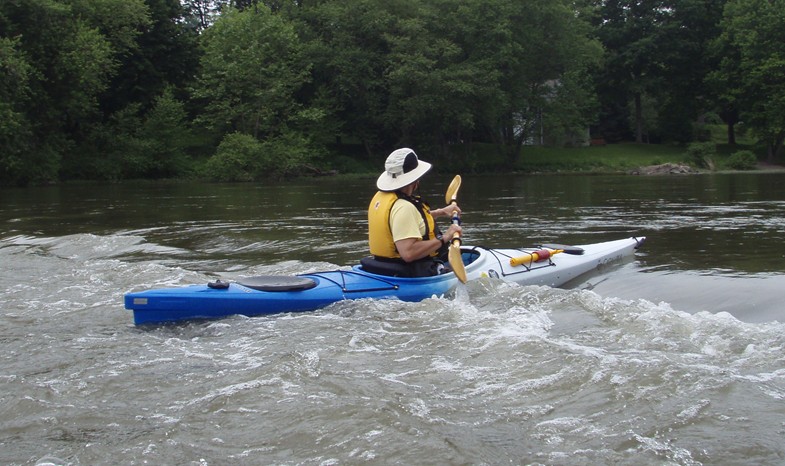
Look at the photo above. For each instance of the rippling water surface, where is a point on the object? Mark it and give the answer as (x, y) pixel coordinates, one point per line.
(674, 358)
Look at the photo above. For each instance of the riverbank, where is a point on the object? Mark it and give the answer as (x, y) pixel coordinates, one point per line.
(628, 158)
(621, 158)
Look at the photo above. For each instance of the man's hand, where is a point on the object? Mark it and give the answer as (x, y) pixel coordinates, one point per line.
(447, 211)
(448, 235)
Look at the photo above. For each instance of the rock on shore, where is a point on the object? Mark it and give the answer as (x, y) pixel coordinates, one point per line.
(664, 169)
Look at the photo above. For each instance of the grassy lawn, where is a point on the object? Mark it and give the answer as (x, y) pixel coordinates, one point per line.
(609, 158)
(621, 157)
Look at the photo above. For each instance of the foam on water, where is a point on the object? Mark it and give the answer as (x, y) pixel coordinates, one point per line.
(87, 246)
(494, 373)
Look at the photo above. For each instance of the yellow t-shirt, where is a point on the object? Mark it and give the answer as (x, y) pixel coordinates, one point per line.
(406, 221)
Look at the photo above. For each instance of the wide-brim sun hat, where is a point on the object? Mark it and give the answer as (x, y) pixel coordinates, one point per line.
(402, 168)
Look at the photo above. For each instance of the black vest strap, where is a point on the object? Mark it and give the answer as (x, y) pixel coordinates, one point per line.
(420, 205)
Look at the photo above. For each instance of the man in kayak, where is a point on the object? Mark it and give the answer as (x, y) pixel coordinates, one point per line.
(403, 237)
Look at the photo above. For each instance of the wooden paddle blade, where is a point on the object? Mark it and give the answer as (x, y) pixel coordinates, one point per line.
(456, 261)
(452, 190)
(454, 254)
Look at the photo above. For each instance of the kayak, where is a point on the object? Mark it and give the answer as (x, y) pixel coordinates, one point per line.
(550, 264)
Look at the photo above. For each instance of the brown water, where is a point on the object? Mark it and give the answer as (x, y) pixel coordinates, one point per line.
(675, 358)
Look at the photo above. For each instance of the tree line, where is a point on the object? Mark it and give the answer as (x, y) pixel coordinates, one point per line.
(252, 89)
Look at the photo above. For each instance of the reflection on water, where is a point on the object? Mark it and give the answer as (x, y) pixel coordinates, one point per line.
(725, 224)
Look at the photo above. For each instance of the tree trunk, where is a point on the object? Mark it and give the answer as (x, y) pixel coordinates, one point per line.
(368, 149)
(638, 118)
(730, 115)
(775, 148)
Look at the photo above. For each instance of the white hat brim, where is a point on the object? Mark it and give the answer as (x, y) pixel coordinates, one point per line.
(387, 182)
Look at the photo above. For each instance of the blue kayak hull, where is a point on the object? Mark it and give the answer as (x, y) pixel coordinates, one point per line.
(205, 302)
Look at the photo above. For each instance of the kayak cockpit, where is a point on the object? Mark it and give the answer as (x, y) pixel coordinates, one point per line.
(396, 268)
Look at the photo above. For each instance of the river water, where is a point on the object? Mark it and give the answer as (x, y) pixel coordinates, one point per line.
(676, 357)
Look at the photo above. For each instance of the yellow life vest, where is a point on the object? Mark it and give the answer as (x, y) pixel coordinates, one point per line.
(380, 237)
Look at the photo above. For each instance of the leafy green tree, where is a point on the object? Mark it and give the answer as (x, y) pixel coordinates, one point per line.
(657, 57)
(569, 110)
(85, 64)
(755, 31)
(440, 78)
(120, 151)
(119, 22)
(158, 63)
(344, 40)
(722, 84)
(685, 37)
(437, 73)
(138, 144)
(250, 73)
(541, 49)
(163, 54)
(242, 157)
(630, 31)
(72, 49)
(200, 14)
(15, 128)
(743, 160)
(167, 137)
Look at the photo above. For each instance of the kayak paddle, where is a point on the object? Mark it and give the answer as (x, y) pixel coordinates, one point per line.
(454, 253)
